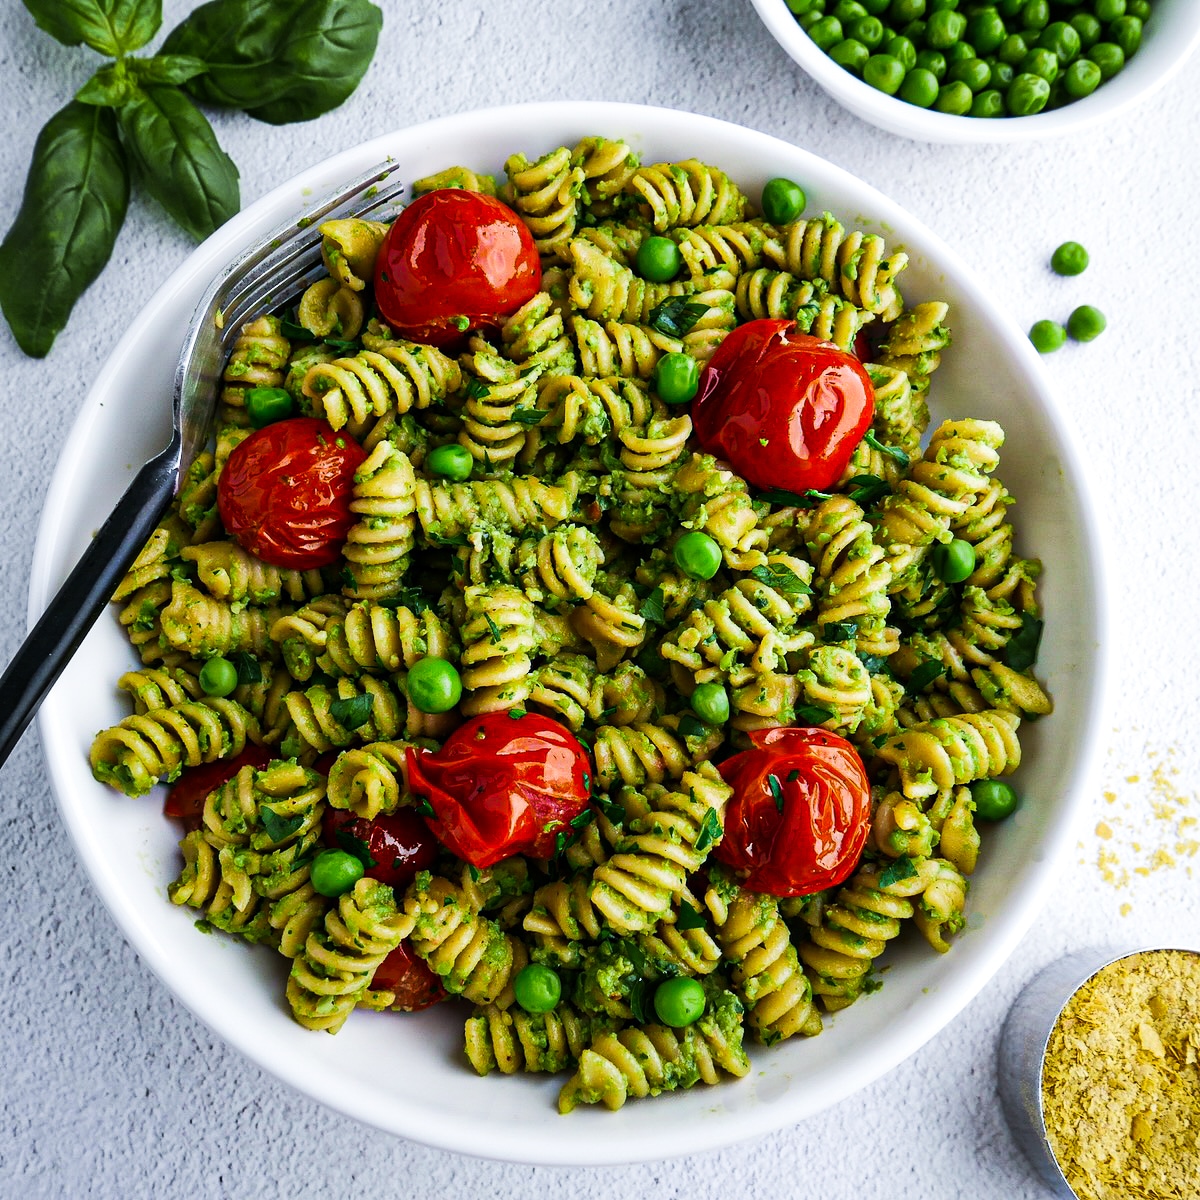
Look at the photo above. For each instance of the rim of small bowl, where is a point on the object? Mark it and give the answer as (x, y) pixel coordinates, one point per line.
(1172, 34)
(1025, 1038)
(589, 1138)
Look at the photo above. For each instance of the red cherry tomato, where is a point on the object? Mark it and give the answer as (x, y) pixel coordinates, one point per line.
(503, 785)
(785, 410)
(454, 261)
(285, 492)
(411, 978)
(399, 842)
(185, 800)
(800, 811)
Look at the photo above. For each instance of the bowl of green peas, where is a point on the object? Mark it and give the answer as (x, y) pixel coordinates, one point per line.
(994, 71)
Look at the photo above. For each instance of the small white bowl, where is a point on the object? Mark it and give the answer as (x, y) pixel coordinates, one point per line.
(408, 1075)
(1171, 34)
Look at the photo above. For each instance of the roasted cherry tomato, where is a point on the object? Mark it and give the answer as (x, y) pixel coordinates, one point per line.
(454, 261)
(785, 410)
(503, 785)
(185, 800)
(285, 492)
(399, 843)
(798, 817)
(410, 977)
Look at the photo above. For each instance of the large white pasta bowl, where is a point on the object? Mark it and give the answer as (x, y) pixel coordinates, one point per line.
(407, 1074)
(1172, 33)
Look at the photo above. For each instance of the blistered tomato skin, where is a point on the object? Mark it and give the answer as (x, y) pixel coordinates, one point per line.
(409, 978)
(453, 262)
(800, 811)
(784, 409)
(285, 492)
(185, 800)
(503, 785)
(399, 842)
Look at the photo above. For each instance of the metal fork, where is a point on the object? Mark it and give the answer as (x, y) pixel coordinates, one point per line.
(261, 280)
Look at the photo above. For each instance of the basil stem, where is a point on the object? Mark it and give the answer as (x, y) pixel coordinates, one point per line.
(74, 205)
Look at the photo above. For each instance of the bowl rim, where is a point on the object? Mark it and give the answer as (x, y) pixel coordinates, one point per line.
(1163, 53)
(637, 1139)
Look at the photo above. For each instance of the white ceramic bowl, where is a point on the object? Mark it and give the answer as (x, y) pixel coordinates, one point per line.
(1171, 34)
(407, 1074)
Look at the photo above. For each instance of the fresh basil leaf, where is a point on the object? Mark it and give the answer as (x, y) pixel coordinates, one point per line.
(782, 579)
(352, 844)
(812, 714)
(75, 199)
(676, 315)
(528, 416)
(641, 1001)
(249, 670)
(172, 69)
(688, 917)
(839, 631)
(776, 790)
(112, 27)
(1022, 650)
(110, 87)
(893, 452)
(710, 830)
(278, 828)
(690, 725)
(178, 160)
(279, 60)
(411, 598)
(351, 712)
(653, 609)
(876, 664)
(476, 389)
(866, 489)
(794, 499)
(897, 871)
(923, 675)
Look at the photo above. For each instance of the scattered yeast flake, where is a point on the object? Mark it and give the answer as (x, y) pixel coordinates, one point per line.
(1121, 1081)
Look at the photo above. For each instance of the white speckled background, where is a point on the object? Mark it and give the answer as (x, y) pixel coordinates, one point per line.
(111, 1088)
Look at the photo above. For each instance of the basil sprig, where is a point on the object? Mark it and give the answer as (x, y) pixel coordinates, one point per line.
(136, 120)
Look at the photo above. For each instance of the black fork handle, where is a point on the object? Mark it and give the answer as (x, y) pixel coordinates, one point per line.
(73, 611)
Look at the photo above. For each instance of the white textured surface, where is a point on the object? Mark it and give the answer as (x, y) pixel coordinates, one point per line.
(112, 1088)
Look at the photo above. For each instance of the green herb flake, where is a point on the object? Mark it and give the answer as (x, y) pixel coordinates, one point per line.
(923, 675)
(781, 578)
(653, 608)
(688, 917)
(710, 830)
(1022, 650)
(813, 714)
(278, 828)
(776, 790)
(351, 712)
(893, 452)
(249, 670)
(355, 845)
(676, 316)
(897, 872)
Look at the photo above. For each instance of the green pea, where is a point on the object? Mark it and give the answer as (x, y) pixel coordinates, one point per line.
(906, 10)
(1035, 14)
(697, 555)
(1108, 10)
(920, 87)
(1088, 28)
(1086, 323)
(988, 104)
(266, 405)
(1027, 95)
(1041, 62)
(1047, 336)
(994, 799)
(1127, 33)
(849, 10)
(959, 52)
(433, 685)
(334, 872)
(914, 31)
(876, 7)
(679, 1001)
(933, 61)
(1009, 8)
(884, 73)
(868, 30)
(1069, 259)
(676, 378)
(809, 19)
(800, 8)
(851, 55)
(1012, 49)
(782, 201)
(537, 988)
(985, 30)
(953, 561)
(658, 259)
(1063, 39)
(954, 99)
(710, 702)
(974, 72)
(1002, 74)
(450, 462)
(901, 49)
(827, 32)
(940, 5)
(1081, 78)
(945, 28)
(1109, 57)
(218, 677)
(1138, 8)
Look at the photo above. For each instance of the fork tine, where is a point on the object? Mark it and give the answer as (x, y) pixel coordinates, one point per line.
(262, 294)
